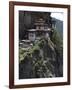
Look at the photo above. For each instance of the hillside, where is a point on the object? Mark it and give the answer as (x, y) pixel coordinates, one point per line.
(43, 60)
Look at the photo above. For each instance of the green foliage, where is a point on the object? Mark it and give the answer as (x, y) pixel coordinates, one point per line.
(56, 38)
(21, 54)
(32, 51)
(41, 64)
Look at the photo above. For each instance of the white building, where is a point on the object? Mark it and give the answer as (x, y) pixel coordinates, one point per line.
(32, 34)
(42, 29)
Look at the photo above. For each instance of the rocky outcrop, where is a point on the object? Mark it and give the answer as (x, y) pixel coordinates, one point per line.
(42, 60)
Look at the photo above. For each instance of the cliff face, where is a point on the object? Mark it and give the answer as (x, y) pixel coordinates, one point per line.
(43, 60)
(27, 20)
(59, 26)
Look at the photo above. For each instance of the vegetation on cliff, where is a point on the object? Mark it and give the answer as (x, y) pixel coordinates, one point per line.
(44, 59)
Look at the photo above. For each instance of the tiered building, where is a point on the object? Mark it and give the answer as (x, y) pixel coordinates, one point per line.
(42, 30)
